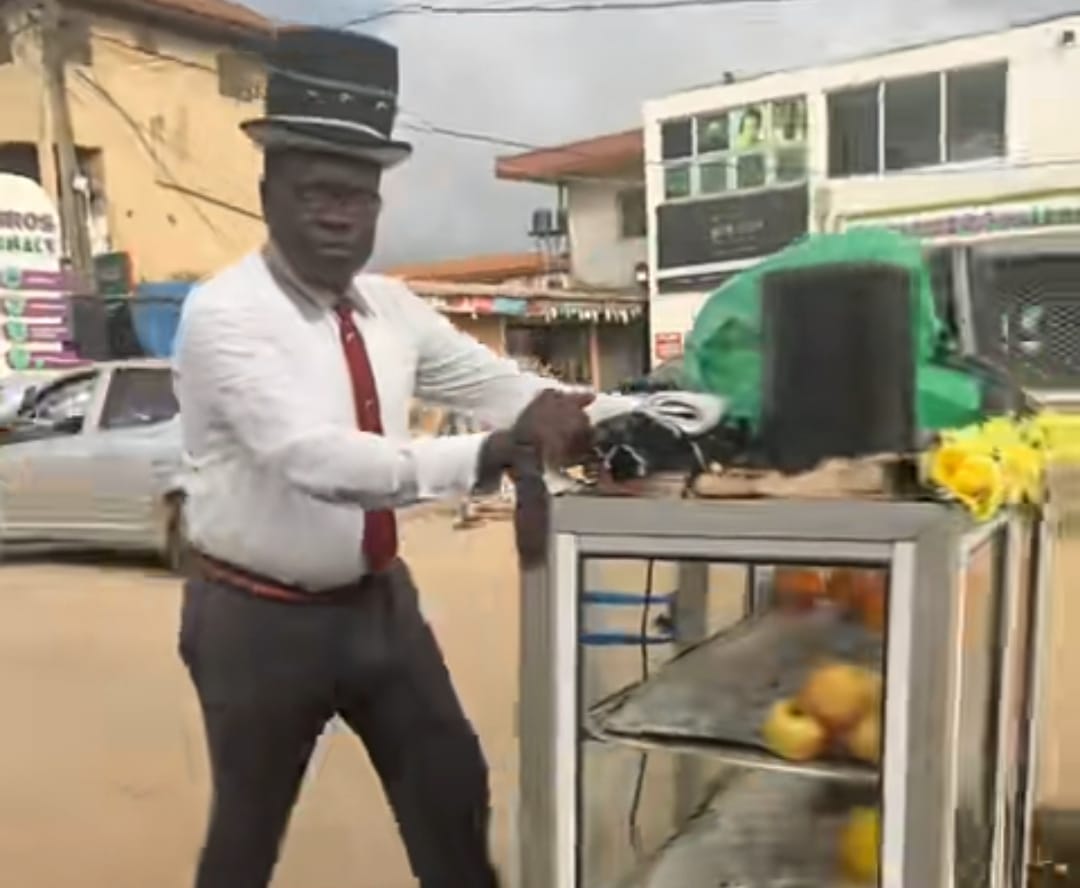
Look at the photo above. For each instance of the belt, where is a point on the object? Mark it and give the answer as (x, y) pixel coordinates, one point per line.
(253, 584)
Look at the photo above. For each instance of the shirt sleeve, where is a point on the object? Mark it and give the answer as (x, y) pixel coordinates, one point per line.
(229, 366)
(458, 372)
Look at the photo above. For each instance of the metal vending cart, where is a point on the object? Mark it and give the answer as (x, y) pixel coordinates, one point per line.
(672, 650)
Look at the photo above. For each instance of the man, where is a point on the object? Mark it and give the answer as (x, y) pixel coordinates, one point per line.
(294, 375)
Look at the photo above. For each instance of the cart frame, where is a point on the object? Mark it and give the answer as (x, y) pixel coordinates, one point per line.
(926, 548)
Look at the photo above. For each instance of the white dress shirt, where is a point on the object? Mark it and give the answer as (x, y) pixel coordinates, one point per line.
(277, 475)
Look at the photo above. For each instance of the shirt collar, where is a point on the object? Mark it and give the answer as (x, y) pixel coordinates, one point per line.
(296, 288)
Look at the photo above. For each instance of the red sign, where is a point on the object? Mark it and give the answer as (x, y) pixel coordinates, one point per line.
(668, 345)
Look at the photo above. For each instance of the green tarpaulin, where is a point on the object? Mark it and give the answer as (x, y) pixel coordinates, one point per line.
(724, 348)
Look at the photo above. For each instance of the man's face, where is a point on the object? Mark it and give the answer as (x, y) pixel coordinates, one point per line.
(322, 211)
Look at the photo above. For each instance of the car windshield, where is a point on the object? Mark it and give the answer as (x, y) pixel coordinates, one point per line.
(65, 400)
(139, 396)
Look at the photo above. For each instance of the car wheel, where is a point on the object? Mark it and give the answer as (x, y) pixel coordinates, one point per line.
(177, 554)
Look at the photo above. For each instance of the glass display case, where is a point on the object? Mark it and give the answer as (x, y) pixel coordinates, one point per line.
(720, 694)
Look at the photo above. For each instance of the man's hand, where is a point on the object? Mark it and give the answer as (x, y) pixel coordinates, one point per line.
(556, 426)
(553, 431)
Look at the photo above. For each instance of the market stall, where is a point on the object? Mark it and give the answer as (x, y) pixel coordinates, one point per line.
(789, 630)
(842, 695)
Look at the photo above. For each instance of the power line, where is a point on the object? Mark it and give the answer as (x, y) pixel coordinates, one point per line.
(574, 6)
(133, 124)
(422, 125)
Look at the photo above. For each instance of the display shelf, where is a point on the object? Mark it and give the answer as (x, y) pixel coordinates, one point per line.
(842, 771)
(715, 697)
(764, 830)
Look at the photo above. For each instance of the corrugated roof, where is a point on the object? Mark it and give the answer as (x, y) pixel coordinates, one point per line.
(490, 269)
(607, 155)
(514, 291)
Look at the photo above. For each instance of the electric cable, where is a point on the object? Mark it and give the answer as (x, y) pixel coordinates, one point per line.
(572, 6)
(422, 125)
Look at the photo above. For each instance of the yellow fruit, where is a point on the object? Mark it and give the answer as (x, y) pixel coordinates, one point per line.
(859, 845)
(793, 734)
(875, 685)
(864, 740)
(837, 695)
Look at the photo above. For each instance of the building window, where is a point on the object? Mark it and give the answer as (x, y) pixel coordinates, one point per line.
(912, 122)
(21, 159)
(676, 139)
(737, 149)
(632, 213)
(240, 76)
(975, 100)
(676, 182)
(853, 132)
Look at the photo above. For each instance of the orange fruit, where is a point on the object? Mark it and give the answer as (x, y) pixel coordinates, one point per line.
(798, 587)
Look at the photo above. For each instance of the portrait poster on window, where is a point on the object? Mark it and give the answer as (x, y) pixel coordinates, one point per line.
(752, 127)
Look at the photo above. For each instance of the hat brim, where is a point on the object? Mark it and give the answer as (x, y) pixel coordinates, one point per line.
(329, 137)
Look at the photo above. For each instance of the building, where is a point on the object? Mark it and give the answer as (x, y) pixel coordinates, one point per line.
(967, 144)
(599, 225)
(600, 192)
(526, 306)
(156, 89)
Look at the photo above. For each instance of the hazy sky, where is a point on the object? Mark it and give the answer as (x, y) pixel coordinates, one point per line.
(542, 79)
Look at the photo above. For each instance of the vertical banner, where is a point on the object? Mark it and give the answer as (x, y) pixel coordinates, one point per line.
(35, 332)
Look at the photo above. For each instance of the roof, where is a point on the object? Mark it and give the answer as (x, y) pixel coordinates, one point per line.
(609, 155)
(491, 269)
(510, 291)
(215, 16)
(882, 51)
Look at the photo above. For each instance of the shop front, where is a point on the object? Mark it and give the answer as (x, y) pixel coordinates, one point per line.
(590, 338)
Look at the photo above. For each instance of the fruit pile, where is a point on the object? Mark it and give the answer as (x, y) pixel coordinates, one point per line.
(838, 709)
(859, 593)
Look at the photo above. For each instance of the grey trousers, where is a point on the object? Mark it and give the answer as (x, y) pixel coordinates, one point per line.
(270, 674)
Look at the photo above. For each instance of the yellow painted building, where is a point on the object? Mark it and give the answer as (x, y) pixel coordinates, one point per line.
(156, 89)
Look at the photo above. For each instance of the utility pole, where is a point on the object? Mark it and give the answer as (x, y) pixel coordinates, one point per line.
(73, 221)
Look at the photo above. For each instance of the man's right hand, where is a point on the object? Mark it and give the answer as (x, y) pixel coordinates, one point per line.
(553, 430)
(556, 426)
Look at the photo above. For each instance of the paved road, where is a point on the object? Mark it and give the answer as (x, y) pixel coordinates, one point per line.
(103, 775)
(103, 779)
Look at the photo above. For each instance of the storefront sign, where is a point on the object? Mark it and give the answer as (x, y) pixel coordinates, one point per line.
(24, 359)
(23, 307)
(34, 332)
(667, 346)
(113, 274)
(975, 221)
(25, 330)
(17, 279)
(505, 305)
(722, 229)
(29, 225)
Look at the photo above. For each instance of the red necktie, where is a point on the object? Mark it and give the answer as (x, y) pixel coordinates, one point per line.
(380, 528)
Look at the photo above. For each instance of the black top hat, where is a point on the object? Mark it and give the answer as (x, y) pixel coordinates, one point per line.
(333, 91)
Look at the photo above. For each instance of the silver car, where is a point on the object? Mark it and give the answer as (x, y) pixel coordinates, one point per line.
(92, 460)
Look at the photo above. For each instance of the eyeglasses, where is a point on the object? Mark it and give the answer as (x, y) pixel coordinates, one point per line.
(317, 197)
